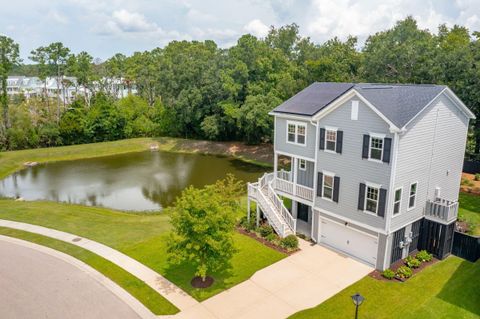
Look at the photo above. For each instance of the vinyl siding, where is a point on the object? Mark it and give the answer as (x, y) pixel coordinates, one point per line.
(441, 131)
(281, 144)
(305, 178)
(349, 165)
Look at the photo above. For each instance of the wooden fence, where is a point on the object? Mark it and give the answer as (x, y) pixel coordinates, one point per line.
(466, 246)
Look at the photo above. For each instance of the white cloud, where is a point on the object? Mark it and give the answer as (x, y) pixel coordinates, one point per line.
(257, 28)
(132, 22)
(57, 17)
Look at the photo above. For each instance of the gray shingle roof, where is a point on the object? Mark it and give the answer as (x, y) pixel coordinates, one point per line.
(397, 102)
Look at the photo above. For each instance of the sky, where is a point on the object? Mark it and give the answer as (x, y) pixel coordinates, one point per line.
(104, 28)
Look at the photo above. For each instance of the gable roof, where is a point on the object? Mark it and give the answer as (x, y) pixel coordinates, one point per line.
(399, 103)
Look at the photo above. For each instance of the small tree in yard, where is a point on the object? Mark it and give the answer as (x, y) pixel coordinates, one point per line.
(203, 223)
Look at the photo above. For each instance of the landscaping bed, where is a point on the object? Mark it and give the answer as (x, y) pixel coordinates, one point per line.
(266, 242)
(469, 214)
(470, 183)
(377, 274)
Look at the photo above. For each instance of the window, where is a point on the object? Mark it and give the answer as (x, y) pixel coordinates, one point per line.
(331, 140)
(397, 200)
(302, 164)
(412, 195)
(327, 191)
(376, 148)
(371, 200)
(296, 133)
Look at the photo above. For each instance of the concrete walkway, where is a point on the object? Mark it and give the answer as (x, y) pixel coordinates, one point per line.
(163, 286)
(302, 280)
(40, 282)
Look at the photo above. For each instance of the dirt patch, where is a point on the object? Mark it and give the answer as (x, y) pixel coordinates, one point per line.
(377, 274)
(266, 242)
(462, 226)
(197, 282)
(469, 184)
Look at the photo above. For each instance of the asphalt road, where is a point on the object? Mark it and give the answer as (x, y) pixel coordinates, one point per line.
(36, 285)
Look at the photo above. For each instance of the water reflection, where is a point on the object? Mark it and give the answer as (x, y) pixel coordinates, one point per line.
(135, 181)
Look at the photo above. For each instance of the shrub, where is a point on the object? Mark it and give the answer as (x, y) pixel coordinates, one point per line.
(412, 262)
(424, 256)
(249, 226)
(467, 182)
(477, 177)
(290, 242)
(404, 272)
(271, 237)
(265, 230)
(388, 273)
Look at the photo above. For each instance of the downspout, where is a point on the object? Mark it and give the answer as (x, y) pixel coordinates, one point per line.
(315, 177)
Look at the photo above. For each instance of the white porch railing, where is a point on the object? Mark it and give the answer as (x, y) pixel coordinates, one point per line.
(442, 209)
(304, 192)
(283, 182)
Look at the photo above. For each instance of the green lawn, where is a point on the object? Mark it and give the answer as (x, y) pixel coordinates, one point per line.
(141, 236)
(448, 289)
(469, 211)
(137, 288)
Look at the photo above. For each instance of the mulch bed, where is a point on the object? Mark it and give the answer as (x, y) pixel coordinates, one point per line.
(266, 242)
(376, 274)
(474, 189)
(197, 282)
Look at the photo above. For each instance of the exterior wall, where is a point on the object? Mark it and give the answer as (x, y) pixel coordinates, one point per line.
(349, 165)
(431, 153)
(305, 177)
(280, 139)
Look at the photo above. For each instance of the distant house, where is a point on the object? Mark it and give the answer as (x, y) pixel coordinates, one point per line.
(371, 170)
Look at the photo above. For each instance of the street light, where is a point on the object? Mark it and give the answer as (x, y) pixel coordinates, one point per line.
(357, 300)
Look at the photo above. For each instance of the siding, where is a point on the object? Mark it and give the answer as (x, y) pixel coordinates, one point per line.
(305, 178)
(440, 130)
(281, 144)
(349, 165)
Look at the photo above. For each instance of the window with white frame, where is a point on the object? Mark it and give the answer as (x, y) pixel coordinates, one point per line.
(330, 140)
(327, 191)
(302, 164)
(412, 195)
(297, 133)
(397, 201)
(371, 199)
(376, 148)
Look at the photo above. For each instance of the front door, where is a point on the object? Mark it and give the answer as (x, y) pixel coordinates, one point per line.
(302, 212)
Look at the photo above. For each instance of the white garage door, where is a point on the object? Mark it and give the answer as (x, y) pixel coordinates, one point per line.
(349, 241)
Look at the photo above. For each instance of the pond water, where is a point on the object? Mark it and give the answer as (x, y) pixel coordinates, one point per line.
(135, 181)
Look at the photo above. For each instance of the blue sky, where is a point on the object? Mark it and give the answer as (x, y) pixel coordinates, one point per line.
(104, 28)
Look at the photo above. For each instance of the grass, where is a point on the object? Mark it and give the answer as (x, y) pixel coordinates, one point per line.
(448, 289)
(13, 161)
(137, 288)
(469, 211)
(141, 236)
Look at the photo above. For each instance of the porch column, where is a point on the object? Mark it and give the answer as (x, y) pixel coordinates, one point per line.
(294, 172)
(294, 208)
(248, 210)
(258, 215)
(275, 164)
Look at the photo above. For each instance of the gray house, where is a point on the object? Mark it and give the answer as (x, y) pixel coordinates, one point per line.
(371, 170)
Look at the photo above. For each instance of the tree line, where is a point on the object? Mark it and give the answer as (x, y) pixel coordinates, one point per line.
(198, 90)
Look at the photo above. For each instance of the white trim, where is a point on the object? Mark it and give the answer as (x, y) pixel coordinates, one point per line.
(393, 174)
(332, 175)
(374, 186)
(352, 228)
(291, 116)
(315, 165)
(350, 221)
(292, 155)
(300, 164)
(297, 124)
(331, 128)
(378, 137)
(416, 195)
(400, 203)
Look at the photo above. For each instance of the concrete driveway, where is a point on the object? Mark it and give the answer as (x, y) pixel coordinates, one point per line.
(300, 281)
(37, 285)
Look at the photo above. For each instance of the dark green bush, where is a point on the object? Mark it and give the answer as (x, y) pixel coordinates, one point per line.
(477, 177)
(424, 256)
(412, 262)
(271, 237)
(404, 272)
(388, 273)
(290, 242)
(265, 230)
(249, 226)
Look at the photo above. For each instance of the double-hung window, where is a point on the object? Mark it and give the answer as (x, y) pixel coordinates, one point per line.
(412, 195)
(331, 140)
(327, 191)
(376, 148)
(296, 133)
(397, 201)
(302, 164)
(371, 199)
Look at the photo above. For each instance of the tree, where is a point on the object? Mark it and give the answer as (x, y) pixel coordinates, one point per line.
(9, 57)
(80, 66)
(40, 56)
(203, 224)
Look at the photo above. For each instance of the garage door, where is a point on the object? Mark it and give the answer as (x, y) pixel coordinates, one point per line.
(349, 241)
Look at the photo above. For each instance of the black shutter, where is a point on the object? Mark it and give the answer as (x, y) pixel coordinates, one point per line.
(366, 146)
(361, 197)
(322, 138)
(336, 188)
(319, 184)
(381, 202)
(386, 149)
(339, 141)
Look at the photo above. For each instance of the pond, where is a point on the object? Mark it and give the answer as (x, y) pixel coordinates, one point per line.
(144, 181)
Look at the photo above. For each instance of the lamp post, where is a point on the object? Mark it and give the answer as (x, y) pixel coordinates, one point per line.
(357, 300)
